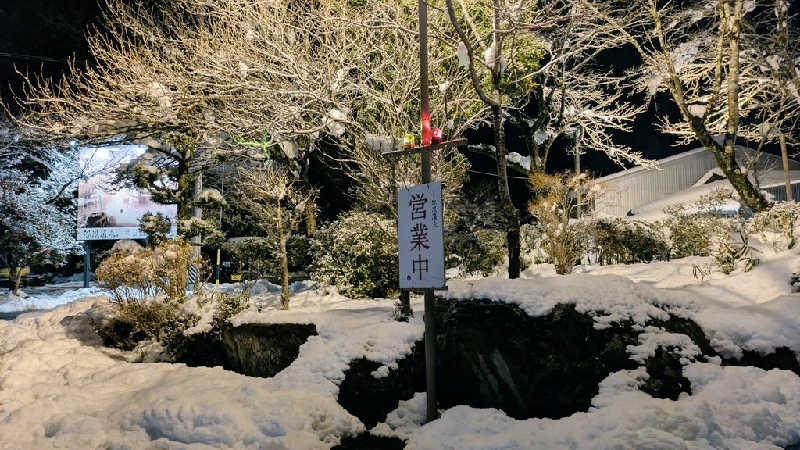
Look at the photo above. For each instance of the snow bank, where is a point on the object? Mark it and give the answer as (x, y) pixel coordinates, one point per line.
(731, 407)
(59, 387)
(609, 298)
(613, 298)
(404, 421)
(346, 330)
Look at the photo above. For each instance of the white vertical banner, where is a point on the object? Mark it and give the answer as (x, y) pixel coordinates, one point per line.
(420, 236)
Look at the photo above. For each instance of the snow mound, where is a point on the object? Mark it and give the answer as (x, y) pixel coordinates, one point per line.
(59, 387)
(405, 420)
(611, 298)
(608, 298)
(732, 407)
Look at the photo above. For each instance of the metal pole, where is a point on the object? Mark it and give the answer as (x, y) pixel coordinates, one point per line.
(197, 212)
(430, 335)
(87, 261)
(217, 269)
(577, 186)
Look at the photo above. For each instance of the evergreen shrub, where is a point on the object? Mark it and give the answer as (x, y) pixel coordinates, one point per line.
(357, 253)
(627, 242)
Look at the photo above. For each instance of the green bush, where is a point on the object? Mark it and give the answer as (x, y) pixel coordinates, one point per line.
(480, 250)
(776, 225)
(690, 234)
(299, 252)
(256, 257)
(627, 242)
(357, 253)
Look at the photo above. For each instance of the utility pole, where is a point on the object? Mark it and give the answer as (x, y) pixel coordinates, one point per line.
(388, 147)
(430, 334)
(197, 212)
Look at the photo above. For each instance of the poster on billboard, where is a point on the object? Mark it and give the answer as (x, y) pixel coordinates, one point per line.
(106, 209)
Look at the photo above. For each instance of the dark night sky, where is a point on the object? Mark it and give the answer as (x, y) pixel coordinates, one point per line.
(38, 36)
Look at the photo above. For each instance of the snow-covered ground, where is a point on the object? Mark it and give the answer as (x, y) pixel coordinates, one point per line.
(60, 388)
(43, 297)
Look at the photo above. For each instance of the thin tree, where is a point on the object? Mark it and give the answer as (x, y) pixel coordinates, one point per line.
(278, 204)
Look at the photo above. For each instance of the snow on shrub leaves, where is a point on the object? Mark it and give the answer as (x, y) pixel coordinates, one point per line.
(358, 254)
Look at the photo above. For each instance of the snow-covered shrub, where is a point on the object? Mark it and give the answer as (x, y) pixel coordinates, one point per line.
(157, 318)
(713, 203)
(563, 240)
(776, 225)
(149, 297)
(155, 226)
(690, 234)
(628, 241)
(209, 198)
(531, 240)
(478, 250)
(128, 274)
(732, 248)
(358, 254)
(133, 275)
(227, 305)
(196, 226)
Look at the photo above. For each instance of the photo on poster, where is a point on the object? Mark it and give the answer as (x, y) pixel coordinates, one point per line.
(108, 209)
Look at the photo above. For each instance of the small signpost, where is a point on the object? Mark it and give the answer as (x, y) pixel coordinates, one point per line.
(420, 218)
(420, 236)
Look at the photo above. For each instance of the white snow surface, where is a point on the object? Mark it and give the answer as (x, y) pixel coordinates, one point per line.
(45, 297)
(405, 420)
(522, 161)
(60, 388)
(742, 311)
(730, 408)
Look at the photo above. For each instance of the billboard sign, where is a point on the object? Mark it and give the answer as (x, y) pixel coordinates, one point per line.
(420, 236)
(107, 210)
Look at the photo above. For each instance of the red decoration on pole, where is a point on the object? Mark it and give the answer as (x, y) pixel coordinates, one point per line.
(437, 135)
(427, 134)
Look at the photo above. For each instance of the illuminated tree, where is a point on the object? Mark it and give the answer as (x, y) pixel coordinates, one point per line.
(730, 66)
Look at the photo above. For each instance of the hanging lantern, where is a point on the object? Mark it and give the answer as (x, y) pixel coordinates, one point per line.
(408, 140)
(437, 136)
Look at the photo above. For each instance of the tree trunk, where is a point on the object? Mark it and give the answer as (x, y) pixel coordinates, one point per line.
(284, 273)
(311, 211)
(785, 159)
(311, 221)
(15, 278)
(726, 160)
(511, 213)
